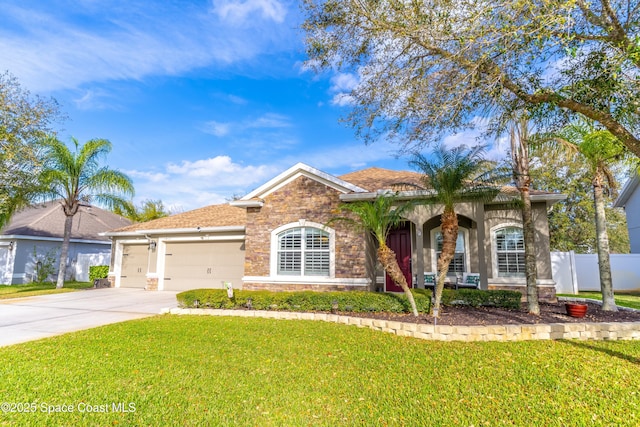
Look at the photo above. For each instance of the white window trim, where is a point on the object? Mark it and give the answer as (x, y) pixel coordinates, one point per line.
(299, 224)
(494, 255)
(434, 260)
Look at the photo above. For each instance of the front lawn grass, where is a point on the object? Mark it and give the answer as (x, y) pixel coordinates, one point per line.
(623, 299)
(226, 371)
(33, 289)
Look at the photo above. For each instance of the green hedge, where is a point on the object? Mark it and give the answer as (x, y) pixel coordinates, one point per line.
(98, 272)
(357, 302)
(477, 298)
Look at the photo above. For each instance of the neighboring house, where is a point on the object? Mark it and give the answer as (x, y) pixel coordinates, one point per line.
(280, 237)
(32, 239)
(629, 199)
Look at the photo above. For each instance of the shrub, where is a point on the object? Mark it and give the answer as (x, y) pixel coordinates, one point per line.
(98, 272)
(476, 298)
(357, 302)
(44, 264)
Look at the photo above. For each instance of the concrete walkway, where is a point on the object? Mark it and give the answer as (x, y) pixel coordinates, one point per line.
(32, 318)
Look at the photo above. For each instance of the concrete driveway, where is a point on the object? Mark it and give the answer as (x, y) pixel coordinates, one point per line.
(32, 318)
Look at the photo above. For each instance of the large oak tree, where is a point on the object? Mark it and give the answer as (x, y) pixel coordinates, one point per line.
(24, 119)
(429, 67)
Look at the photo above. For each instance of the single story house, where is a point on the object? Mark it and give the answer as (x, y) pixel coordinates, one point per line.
(629, 199)
(279, 237)
(32, 239)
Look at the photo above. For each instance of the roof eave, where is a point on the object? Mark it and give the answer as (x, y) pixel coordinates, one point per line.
(247, 203)
(186, 230)
(627, 190)
(550, 199)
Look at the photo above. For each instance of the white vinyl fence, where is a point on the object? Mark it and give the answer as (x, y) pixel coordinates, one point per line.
(579, 272)
(87, 260)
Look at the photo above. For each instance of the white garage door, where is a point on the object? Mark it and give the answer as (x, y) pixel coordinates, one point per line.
(135, 259)
(192, 265)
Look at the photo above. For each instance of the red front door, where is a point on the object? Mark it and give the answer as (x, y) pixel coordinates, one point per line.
(399, 241)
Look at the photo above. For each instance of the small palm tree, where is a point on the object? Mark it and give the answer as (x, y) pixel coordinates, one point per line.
(454, 176)
(379, 217)
(602, 151)
(75, 177)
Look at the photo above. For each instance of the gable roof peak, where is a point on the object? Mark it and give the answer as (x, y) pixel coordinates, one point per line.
(297, 170)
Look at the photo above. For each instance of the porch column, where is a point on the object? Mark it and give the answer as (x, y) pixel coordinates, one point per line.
(482, 260)
(419, 270)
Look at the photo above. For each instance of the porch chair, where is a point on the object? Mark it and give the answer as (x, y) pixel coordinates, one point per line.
(429, 280)
(470, 280)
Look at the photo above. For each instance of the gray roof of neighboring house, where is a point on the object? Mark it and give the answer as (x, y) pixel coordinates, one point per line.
(47, 220)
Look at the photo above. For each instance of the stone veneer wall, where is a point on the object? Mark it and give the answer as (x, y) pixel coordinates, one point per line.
(152, 284)
(524, 332)
(309, 200)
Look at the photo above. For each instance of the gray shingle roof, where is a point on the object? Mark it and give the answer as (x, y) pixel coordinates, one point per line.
(47, 220)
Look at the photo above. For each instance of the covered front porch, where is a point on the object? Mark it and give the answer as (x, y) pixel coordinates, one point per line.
(489, 249)
(418, 243)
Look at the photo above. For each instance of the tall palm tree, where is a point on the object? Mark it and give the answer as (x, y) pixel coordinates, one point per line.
(75, 177)
(602, 151)
(454, 176)
(379, 217)
(519, 140)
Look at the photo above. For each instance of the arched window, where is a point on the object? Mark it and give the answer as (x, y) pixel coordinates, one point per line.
(509, 247)
(303, 251)
(460, 260)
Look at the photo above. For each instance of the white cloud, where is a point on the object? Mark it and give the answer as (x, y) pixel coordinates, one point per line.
(343, 84)
(237, 100)
(49, 48)
(239, 11)
(342, 100)
(148, 176)
(192, 184)
(222, 170)
(217, 128)
(250, 127)
(270, 120)
(496, 149)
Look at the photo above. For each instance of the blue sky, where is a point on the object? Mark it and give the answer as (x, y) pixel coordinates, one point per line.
(202, 100)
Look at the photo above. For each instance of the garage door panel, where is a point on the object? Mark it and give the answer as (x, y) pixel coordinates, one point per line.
(133, 271)
(191, 265)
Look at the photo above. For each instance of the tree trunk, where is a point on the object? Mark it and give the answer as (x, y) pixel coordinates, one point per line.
(604, 264)
(389, 262)
(519, 140)
(64, 251)
(528, 231)
(449, 230)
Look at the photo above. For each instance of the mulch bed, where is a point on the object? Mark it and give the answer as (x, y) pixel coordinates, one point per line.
(469, 316)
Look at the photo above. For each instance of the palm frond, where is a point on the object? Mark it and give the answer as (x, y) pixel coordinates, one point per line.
(457, 174)
(378, 216)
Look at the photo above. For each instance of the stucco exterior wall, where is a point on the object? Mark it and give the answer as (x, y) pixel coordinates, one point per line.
(632, 208)
(496, 216)
(25, 263)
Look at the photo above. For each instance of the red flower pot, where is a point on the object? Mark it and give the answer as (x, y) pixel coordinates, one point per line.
(576, 309)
